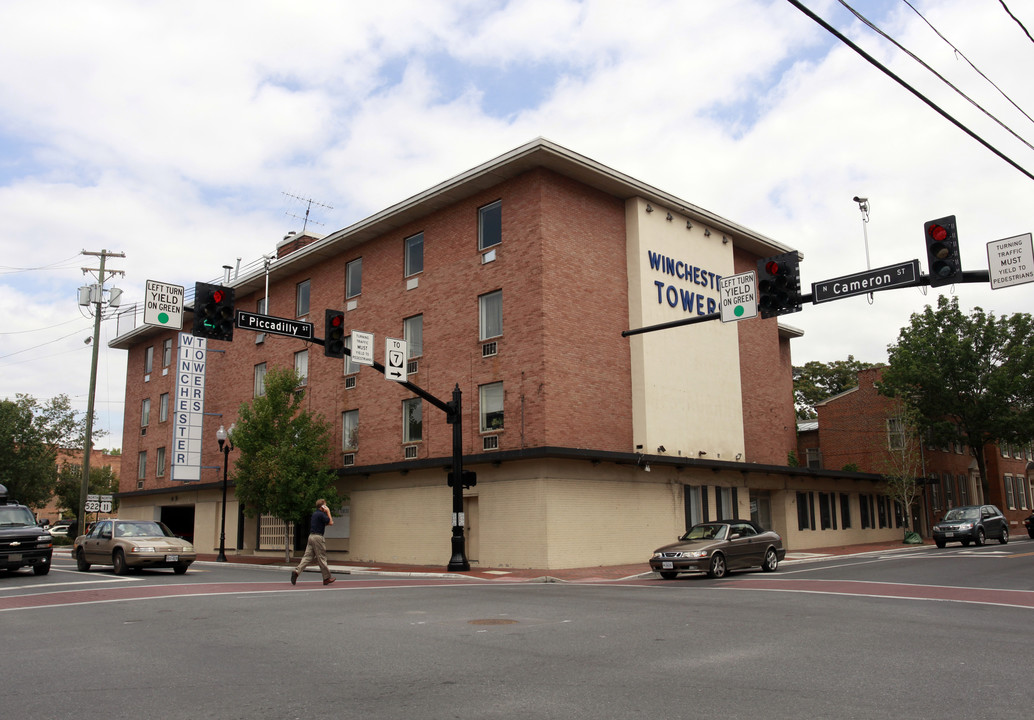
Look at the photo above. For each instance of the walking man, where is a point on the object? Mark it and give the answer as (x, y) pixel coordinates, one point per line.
(316, 548)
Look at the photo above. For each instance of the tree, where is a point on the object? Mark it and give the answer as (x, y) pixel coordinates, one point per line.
(103, 481)
(30, 435)
(902, 468)
(968, 379)
(283, 466)
(817, 381)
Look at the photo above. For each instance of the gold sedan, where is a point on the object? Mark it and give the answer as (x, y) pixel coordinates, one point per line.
(126, 544)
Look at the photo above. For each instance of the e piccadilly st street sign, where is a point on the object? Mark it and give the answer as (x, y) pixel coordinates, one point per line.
(892, 276)
(272, 325)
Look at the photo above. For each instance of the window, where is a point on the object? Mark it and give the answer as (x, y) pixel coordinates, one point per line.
(935, 492)
(726, 503)
(353, 278)
(826, 516)
(1010, 499)
(301, 299)
(350, 367)
(167, 352)
(141, 465)
(490, 225)
(301, 366)
(145, 412)
(949, 490)
(159, 463)
(491, 398)
(1021, 491)
(963, 490)
(349, 430)
(260, 306)
(845, 511)
(814, 457)
(895, 434)
(260, 380)
(414, 254)
(865, 504)
(805, 511)
(696, 504)
(412, 420)
(163, 407)
(413, 332)
(490, 313)
(883, 506)
(148, 360)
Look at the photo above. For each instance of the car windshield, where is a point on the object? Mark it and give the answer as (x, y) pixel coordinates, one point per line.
(969, 513)
(16, 517)
(706, 531)
(141, 528)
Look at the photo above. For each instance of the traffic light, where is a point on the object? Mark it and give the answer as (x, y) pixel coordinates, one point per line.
(213, 311)
(470, 479)
(779, 285)
(334, 329)
(942, 251)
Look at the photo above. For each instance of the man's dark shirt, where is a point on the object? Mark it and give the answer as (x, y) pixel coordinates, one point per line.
(318, 523)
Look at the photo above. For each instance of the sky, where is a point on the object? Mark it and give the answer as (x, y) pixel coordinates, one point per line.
(183, 133)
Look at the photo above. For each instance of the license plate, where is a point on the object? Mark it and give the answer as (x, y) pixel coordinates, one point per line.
(14, 558)
(667, 565)
(949, 534)
(172, 558)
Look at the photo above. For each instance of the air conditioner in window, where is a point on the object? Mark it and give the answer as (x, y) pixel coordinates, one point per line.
(348, 459)
(350, 382)
(412, 367)
(490, 442)
(489, 349)
(260, 338)
(410, 452)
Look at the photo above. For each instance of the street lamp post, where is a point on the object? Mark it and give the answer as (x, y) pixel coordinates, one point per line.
(225, 445)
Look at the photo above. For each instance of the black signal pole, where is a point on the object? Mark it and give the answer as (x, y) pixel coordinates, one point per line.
(454, 416)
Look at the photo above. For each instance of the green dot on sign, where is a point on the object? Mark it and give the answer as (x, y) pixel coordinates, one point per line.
(738, 311)
(164, 318)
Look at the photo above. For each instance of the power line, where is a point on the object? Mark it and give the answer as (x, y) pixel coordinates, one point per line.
(876, 63)
(1007, 10)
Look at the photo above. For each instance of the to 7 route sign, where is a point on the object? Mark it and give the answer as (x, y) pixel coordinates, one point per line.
(738, 297)
(395, 359)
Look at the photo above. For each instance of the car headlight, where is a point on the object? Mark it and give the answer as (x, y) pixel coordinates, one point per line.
(657, 554)
(44, 541)
(695, 554)
(142, 549)
(966, 526)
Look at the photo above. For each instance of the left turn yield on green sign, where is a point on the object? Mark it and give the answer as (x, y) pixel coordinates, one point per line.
(163, 304)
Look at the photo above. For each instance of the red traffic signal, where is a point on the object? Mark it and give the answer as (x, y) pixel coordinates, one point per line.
(213, 311)
(942, 251)
(334, 329)
(779, 285)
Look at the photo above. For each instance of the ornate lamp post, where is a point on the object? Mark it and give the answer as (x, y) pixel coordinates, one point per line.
(225, 445)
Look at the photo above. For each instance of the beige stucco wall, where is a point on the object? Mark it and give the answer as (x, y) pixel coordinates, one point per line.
(685, 381)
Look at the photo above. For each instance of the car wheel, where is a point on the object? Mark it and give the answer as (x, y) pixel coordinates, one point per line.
(717, 568)
(80, 561)
(980, 537)
(965, 543)
(771, 561)
(41, 569)
(118, 559)
(940, 543)
(1030, 533)
(180, 569)
(1005, 536)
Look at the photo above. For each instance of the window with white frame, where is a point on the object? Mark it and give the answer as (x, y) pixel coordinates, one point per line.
(145, 412)
(141, 465)
(490, 225)
(350, 430)
(491, 399)
(350, 367)
(167, 352)
(159, 462)
(490, 315)
(412, 420)
(813, 457)
(414, 254)
(301, 366)
(148, 360)
(895, 433)
(1010, 498)
(353, 278)
(260, 380)
(163, 407)
(413, 332)
(301, 299)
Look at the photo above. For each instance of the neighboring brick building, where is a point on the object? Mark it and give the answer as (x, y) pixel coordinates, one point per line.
(513, 282)
(98, 459)
(862, 428)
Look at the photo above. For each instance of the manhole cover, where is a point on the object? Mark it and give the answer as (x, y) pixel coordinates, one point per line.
(493, 621)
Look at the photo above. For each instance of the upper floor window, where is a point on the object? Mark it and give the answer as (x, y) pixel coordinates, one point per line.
(260, 380)
(148, 360)
(895, 434)
(490, 312)
(491, 399)
(350, 366)
(167, 352)
(490, 225)
(301, 366)
(412, 420)
(413, 332)
(301, 299)
(353, 278)
(414, 254)
(260, 305)
(141, 465)
(145, 412)
(349, 430)
(163, 407)
(159, 463)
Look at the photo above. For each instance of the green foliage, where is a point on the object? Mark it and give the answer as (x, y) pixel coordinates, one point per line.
(966, 379)
(103, 481)
(283, 465)
(817, 381)
(792, 459)
(851, 467)
(30, 435)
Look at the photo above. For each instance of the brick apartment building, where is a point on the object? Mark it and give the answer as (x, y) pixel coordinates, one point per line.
(863, 429)
(512, 281)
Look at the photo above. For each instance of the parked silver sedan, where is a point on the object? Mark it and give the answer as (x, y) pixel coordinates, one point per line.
(718, 547)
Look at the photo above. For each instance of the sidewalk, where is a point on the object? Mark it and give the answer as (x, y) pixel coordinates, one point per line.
(607, 572)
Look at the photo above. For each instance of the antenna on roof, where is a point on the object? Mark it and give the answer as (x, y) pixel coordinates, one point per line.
(309, 202)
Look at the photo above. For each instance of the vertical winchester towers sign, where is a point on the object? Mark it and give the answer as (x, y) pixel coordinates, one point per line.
(189, 409)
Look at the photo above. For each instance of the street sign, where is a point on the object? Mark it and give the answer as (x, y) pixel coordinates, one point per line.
(739, 297)
(98, 503)
(395, 359)
(273, 325)
(163, 304)
(892, 276)
(1010, 261)
(362, 347)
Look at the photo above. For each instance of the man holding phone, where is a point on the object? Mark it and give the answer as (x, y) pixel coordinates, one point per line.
(316, 548)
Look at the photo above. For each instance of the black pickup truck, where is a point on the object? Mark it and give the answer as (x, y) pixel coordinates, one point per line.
(22, 541)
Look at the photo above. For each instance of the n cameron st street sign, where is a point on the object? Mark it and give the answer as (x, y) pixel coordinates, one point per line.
(884, 278)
